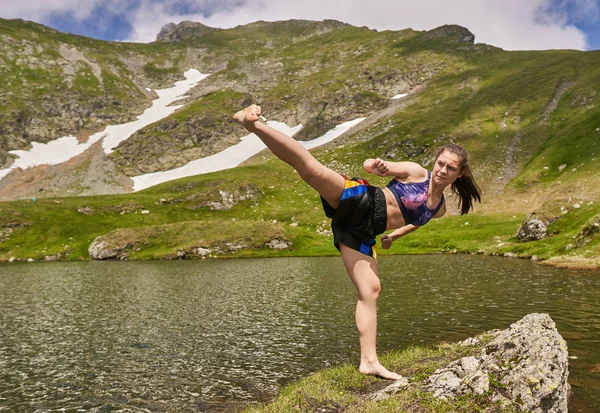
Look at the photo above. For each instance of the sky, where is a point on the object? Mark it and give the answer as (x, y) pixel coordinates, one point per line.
(509, 24)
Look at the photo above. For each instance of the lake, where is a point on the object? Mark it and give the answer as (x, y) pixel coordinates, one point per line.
(218, 334)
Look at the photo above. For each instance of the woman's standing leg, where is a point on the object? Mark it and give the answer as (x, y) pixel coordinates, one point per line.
(327, 183)
(362, 269)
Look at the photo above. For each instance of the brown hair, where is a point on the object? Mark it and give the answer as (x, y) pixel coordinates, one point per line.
(464, 186)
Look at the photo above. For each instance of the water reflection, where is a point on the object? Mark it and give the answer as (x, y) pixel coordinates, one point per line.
(189, 336)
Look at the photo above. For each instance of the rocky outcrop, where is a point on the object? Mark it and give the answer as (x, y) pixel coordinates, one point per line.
(171, 143)
(102, 249)
(183, 31)
(534, 227)
(524, 367)
(590, 230)
(453, 33)
(189, 240)
(7, 229)
(223, 200)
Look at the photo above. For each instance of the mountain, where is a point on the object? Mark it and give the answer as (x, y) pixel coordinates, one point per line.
(318, 74)
(530, 119)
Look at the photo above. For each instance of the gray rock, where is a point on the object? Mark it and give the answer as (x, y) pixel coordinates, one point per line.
(101, 249)
(185, 30)
(86, 210)
(279, 244)
(225, 200)
(511, 255)
(533, 228)
(202, 252)
(395, 387)
(471, 341)
(534, 370)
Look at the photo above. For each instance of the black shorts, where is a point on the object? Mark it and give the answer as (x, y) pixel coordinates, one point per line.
(360, 217)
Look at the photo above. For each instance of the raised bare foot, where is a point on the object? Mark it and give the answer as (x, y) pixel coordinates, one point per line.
(378, 370)
(248, 116)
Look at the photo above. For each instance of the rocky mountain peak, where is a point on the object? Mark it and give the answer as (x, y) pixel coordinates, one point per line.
(452, 32)
(183, 31)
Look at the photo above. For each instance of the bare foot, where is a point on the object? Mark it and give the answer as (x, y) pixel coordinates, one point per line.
(378, 370)
(248, 116)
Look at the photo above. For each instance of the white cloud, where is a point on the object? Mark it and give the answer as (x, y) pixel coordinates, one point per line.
(510, 24)
(39, 11)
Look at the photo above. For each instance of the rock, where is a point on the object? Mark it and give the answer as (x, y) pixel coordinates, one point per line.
(534, 227)
(30, 260)
(472, 341)
(460, 377)
(534, 371)
(11, 259)
(183, 31)
(393, 388)
(225, 200)
(589, 231)
(279, 244)
(511, 255)
(452, 33)
(101, 249)
(145, 212)
(202, 252)
(86, 210)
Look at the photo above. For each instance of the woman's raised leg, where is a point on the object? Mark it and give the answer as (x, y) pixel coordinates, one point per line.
(325, 181)
(362, 270)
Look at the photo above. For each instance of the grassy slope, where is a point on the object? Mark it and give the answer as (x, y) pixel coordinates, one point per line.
(482, 98)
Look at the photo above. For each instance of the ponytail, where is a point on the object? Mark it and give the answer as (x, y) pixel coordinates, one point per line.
(465, 186)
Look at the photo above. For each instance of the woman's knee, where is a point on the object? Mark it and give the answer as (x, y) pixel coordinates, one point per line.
(370, 291)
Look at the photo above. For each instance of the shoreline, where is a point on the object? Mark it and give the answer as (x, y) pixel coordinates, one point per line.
(587, 264)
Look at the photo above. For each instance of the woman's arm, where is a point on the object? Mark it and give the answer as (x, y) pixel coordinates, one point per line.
(402, 170)
(386, 240)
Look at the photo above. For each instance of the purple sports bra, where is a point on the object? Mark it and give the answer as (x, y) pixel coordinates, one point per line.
(412, 200)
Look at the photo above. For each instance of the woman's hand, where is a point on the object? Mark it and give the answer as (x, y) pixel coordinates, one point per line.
(248, 116)
(376, 166)
(386, 242)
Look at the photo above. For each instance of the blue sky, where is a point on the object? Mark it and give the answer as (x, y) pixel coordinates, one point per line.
(510, 24)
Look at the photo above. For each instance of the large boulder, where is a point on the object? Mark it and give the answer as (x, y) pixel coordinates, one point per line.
(103, 249)
(526, 365)
(534, 227)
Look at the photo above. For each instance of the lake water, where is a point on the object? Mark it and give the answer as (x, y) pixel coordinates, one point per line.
(217, 334)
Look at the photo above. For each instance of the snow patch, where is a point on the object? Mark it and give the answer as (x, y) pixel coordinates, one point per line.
(231, 157)
(65, 148)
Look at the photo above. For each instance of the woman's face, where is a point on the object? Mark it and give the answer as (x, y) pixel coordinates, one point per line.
(447, 168)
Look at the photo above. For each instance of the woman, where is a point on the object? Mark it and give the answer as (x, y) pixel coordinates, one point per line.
(360, 212)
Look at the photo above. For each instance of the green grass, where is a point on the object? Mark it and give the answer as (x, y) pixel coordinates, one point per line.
(343, 388)
(287, 209)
